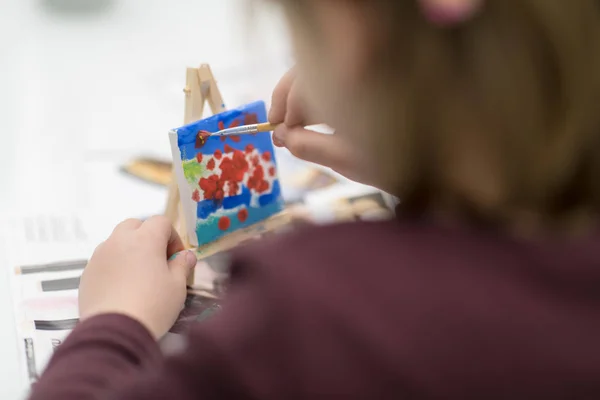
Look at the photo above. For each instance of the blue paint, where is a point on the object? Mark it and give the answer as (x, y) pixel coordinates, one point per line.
(206, 208)
(208, 212)
(208, 230)
(272, 197)
(243, 199)
(174, 256)
(186, 136)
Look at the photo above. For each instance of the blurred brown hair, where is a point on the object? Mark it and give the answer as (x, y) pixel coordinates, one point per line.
(500, 114)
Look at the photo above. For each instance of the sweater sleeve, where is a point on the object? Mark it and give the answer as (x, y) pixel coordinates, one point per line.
(114, 357)
(101, 353)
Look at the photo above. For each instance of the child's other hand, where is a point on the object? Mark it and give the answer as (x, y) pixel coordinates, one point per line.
(287, 109)
(129, 274)
(329, 150)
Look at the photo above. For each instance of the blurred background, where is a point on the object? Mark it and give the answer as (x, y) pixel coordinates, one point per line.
(87, 86)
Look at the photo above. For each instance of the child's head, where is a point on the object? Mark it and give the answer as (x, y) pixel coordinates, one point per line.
(496, 116)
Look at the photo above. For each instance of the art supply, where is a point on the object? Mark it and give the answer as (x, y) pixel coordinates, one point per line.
(150, 170)
(226, 183)
(246, 129)
(200, 88)
(182, 209)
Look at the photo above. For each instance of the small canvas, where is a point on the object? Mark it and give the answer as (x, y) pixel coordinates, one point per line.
(225, 183)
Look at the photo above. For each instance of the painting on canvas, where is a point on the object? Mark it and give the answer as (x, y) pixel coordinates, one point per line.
(225, 183)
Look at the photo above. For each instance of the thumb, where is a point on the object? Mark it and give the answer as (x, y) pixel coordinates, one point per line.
(182, 263)
(320, 148)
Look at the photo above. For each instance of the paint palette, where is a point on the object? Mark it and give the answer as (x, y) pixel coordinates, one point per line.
(225, 183)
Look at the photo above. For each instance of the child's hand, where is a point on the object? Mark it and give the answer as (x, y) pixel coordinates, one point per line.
(287, 109)
(129, 274)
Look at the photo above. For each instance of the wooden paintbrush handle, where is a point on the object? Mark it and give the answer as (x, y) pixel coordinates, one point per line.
(266, 127)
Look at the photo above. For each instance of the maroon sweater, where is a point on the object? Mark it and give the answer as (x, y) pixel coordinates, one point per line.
(372, 311)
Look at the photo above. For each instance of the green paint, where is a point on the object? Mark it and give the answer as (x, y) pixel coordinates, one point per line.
(193, 171)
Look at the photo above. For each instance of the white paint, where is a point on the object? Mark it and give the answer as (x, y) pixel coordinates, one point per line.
(185, 192)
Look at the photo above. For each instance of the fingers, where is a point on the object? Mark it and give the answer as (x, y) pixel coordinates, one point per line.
(182, 263)
(319, 148)
(161, 227)
(280, 97)
(174, 244)
(288, 106)
(295, 111)
(126, 226)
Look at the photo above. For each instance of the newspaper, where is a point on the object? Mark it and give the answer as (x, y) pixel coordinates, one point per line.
(47, 257)
(43, 290)
(45, 298)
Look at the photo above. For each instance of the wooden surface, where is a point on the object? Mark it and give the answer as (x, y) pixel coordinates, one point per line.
(150, 170)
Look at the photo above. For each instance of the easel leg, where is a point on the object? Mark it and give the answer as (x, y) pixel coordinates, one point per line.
(201, 87)
(173, 212)
(172, 209)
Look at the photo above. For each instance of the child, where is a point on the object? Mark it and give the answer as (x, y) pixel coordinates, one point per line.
(482, 116)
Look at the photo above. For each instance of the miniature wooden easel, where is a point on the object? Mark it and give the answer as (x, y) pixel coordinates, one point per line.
(200, 88)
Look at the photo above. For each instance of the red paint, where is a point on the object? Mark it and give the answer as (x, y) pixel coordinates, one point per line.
(201, 138)
(212, 187)
(218, 154)
(259, 172)
(233, 188)
(223, 138)
(242, 215)
(252, 183)
(266, 156)
(235, 123)
(228, 149)
(224, 223)
(196, 196)
(228, 172)
(221, 125)
(250, 119)
(272, 171)
(263, 186)
(234, 168)
(199, 157)
(235, 138)
(211, 164)
(240, 162)
(249, 148)
(257, 181)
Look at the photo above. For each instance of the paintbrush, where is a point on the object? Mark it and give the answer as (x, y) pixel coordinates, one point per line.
(246, 129)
